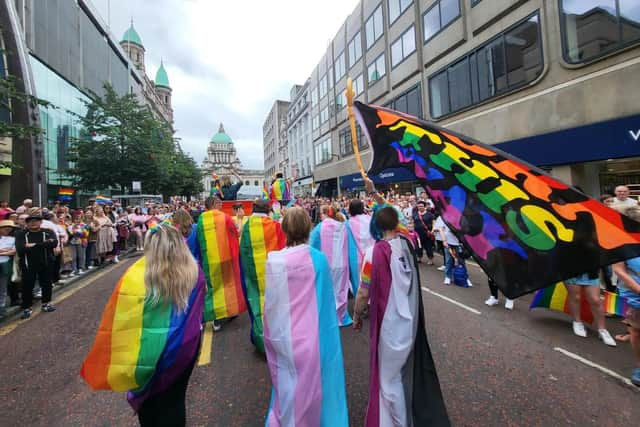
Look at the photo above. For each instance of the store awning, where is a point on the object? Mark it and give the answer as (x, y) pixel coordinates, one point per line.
(387, 176)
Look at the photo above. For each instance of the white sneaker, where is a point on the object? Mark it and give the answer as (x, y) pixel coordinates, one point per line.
(492, 301)
(447, 281)
(469, 284)
(115, 259)
(442, 268)
(578, 329)
(606, 338)
(508, 304)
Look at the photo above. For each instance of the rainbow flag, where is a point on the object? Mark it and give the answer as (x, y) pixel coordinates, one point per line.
(614, 304)
(102, 200)
(218, 239)
(260, 236)
(526, 229)
(365, 271)
(66, 191)
(555, 298)
(216, 189)
(265, 191)
(330, 238)
(142, 347)
(302, 341)
(281, 189)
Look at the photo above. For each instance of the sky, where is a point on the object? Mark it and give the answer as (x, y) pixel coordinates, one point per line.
(228, 61)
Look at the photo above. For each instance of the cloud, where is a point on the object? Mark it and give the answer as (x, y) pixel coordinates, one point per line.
(229, 61)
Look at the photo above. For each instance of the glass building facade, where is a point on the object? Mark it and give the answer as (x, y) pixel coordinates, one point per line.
(60, 122)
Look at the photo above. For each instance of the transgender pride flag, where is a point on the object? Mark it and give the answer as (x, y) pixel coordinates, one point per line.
(302, 341)
(359, 239)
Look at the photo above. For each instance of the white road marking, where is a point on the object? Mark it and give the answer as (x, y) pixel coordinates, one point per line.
(452, 301)
(595, 365)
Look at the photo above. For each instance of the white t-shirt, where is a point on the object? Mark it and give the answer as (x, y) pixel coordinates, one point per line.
(449, 237)
(6, 242)
(626, 203)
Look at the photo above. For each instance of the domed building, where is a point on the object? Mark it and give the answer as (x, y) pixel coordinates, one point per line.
(222, 159)
(157, 93)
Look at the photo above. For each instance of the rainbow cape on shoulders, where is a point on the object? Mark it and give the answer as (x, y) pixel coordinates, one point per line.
(260, 235)
(142, 347)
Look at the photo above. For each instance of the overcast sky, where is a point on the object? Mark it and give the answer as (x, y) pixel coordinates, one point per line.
(228, 61)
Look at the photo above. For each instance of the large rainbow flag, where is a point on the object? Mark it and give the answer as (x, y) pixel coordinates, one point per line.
(260, 236)
(555, 298)
(143, 347)
(281, 189)
(220, 251)
(302, 341)
(526, 229)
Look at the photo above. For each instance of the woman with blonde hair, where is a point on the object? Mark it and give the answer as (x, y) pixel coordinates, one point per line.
(159, 302)
(301, 334)
(330, 238)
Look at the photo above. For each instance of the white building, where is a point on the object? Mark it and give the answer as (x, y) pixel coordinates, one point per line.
(222, 159)
(274, 138)
(299, 140)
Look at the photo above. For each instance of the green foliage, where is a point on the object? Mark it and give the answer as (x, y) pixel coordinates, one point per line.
(123, 142)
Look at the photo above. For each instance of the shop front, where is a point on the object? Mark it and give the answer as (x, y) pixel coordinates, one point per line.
(398, 180)
(302, 186)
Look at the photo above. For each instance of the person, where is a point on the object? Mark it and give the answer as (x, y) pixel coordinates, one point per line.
(493, 298)
(260, 236)
(90, 252)
(7, 251)
(79, 232)
(622, 199)
(219, 246)
(229, 190)
(590, 284)
(5, 210)
(184, 223)
(238, 216)
(139, 227)
(166, 288)
(24, 208)
(358, 240)
(330, 238)
(301, 334)
(106, 235)
(403, 388)
(35, 247)
(423, 225)
(452, 250)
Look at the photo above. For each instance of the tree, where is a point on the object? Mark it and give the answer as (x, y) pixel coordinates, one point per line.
(123, 142)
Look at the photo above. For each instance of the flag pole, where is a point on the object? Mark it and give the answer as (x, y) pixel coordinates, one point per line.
(352, 122)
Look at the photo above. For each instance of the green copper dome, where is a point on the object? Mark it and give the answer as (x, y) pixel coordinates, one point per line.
(221, 137)
(131, 36)
(161, 77)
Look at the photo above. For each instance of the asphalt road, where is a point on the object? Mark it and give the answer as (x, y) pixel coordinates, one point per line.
(496, 367)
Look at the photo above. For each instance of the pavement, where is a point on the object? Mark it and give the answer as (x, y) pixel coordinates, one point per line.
(496, 367)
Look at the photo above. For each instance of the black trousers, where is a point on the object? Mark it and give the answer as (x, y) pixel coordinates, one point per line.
(426, 243)
(29, 276)
(167, 409)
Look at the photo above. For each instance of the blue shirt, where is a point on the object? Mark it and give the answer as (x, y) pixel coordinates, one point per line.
(632, 298)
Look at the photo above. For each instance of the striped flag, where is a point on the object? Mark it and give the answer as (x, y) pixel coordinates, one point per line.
(102, 200)
(614, 304)
(555, 298)
(142, 347)
(260, 236)
(359, 239)
(218, 239)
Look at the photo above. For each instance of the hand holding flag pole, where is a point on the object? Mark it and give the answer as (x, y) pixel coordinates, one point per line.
(352, 121)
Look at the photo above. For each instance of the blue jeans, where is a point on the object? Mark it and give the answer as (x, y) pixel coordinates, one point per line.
(449, 261)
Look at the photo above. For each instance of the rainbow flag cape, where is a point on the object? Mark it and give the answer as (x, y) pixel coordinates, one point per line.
(260, 236)
(302, 341)
(526, 229)
(281, 189)
(220, 258)
(359, 239)
(102, 200)
(142, 347)
(330, 238)
(555, 298)
(614, 304)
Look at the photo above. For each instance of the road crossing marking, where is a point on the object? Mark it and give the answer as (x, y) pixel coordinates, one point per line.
(452, 301)
(596, 366)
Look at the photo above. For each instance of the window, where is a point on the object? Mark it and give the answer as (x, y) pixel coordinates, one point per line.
(409, 102)
(346, 146)
(511, 60)
(314, 96)
(256, 183)
(341, 100)
(396, 7)
(403, 47)
(339, 66)
(595, 28)
(323, 152)
(439, 16)
(324, 115)
(330, 78)
(323, 86)
(315, 122)
(376, 70)
(358, 85)
(355, 49)
(373, 27)
(246, 183)
(475, 2)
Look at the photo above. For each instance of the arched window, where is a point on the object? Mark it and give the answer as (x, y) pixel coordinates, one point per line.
(246, 183)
